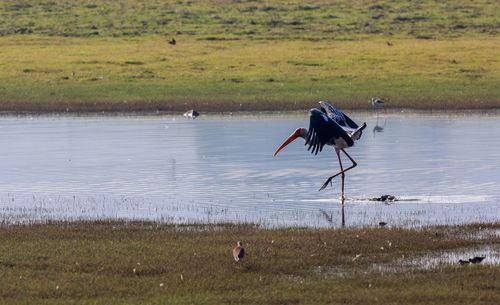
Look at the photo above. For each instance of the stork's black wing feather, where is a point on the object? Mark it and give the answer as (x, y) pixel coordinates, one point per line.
(338, 116)
(323, 130)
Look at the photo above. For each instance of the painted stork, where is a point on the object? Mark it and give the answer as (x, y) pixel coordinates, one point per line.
(191, 114)
(238, 251)
(328, 126)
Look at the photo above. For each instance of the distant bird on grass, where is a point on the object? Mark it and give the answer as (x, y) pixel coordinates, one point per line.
(474, 260)
(172, 41)
(377, 127)
(238, 252)
(477, 259)
(191, 114)
(382, 223)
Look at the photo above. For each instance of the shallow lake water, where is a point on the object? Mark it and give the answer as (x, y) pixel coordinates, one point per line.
(445, 169)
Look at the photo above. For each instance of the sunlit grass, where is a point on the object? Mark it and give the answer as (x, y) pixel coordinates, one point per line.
(148, 263)
(247, 54)
(254, 19)
(52, 74)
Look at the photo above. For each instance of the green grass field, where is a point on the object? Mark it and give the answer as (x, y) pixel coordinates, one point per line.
(247, 55)
(147, 263)
(252, 19)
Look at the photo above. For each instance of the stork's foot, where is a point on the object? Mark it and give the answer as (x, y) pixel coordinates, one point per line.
(328, 181)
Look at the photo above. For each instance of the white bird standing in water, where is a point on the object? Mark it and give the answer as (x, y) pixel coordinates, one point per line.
(238, 252)
(328, 126)
(377, 103)
(191, 114)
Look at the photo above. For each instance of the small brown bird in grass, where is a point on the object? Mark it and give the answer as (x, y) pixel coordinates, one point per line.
(477, 259)
(238, 251)
(172, 41)
(462, 262)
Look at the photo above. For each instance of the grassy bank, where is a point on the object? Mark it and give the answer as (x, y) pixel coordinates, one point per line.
(254, 19)
(142, 263)
(247, 55)
(147, 74)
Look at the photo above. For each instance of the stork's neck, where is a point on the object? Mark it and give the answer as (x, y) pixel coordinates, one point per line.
(303, 133)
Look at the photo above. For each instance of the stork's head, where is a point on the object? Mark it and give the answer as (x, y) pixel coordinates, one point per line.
(298, 133)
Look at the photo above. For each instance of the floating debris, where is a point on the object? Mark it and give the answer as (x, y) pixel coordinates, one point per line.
(385, 198)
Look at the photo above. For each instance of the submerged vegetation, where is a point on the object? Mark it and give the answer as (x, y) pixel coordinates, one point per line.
(148, 263)
(247, 55)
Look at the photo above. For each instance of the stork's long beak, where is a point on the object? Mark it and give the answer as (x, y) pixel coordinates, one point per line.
(288, 140)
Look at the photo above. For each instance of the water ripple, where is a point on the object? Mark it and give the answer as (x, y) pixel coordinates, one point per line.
(222, 169)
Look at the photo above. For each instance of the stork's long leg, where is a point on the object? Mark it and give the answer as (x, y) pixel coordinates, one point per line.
(341, 170)
(329, 180)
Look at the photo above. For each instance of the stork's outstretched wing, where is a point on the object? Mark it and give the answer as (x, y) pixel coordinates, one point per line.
(323, 130)
(338, 116)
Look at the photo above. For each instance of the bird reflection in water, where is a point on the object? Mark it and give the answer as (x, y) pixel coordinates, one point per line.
(377, 104)
(329, 216)
(379, 128)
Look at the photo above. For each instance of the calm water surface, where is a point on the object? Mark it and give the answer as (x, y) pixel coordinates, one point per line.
(445, 168)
